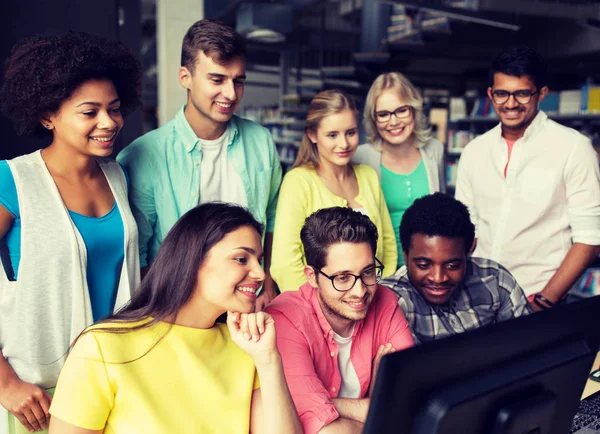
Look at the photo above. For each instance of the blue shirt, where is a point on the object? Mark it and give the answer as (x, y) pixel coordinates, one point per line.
(103, 237)
(164, 169)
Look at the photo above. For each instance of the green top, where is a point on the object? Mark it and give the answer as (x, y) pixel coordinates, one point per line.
(400, 191)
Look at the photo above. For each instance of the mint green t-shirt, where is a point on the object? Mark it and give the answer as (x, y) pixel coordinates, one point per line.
(400, 191)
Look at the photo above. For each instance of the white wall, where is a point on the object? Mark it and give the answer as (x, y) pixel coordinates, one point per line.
(173, 18)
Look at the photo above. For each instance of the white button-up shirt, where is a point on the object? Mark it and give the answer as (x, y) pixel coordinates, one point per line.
(549, 199)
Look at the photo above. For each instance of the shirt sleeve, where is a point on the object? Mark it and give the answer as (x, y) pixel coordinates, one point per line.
(287, 258)
(256, 381)
(513, 302)
(399, 334)
(582, 181)
(464, 190)
(83, 396)
(8, 190)
(310, 396)
(441, 166)
(390, 247)
(276, 175)
(141, 197)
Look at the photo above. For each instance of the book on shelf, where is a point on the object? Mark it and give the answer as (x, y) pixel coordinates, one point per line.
(550, 104)
(458, 108)
(569, 102)
(458, 139)
(590, 99)
(483, 108)
(451, 172)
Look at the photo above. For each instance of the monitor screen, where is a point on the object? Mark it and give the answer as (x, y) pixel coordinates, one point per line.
(523, 376)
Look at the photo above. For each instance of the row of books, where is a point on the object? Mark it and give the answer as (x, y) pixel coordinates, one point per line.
(585, 101)
(451, 172)
(577, 101)
(458, 139)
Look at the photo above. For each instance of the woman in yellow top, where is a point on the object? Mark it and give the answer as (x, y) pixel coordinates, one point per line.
(165, 364)
(323, 177)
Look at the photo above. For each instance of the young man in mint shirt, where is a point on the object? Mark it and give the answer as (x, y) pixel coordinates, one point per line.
(205, 153)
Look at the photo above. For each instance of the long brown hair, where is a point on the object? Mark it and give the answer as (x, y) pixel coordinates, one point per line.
(172, 278)
(325, 103)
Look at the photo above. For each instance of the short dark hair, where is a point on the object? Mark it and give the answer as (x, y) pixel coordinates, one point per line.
(520, 61)
(332, 226)
(43, 71)
(214, 39)
(437, 215)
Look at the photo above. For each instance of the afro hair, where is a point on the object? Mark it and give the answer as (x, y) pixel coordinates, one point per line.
(44, 71)
(437, 215)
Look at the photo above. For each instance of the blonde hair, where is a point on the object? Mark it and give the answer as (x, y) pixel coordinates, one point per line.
(325, 103)
(409, 94)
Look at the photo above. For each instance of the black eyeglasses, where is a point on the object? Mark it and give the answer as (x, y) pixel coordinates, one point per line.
(401, 113)
(521, 96)
(346, 281)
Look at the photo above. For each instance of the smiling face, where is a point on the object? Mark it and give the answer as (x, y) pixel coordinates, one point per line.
(342, 307)
(89, 121)
(336, 138)
(394, 132)
(513, 115)
(436, 266)
(214, 91)
(231, 273)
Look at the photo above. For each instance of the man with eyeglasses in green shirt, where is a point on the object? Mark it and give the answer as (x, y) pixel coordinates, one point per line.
(532, 186)
(205, 153)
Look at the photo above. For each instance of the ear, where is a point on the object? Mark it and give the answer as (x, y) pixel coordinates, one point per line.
(405, 256)
(185, 77)
(473, 246)
(489, 93)
(311, 136)
(543, 92)
(311, 277)
(46, 122)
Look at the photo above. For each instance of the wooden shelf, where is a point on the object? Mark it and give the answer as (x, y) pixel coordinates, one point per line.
(556, 117)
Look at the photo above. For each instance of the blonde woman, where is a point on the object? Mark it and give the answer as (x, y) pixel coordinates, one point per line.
(409, 162)
(323, 177)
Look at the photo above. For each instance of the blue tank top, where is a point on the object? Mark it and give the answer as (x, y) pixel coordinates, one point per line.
(104, 239)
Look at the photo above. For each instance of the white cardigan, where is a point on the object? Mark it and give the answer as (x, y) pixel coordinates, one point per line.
(49, 305)
(433, 157)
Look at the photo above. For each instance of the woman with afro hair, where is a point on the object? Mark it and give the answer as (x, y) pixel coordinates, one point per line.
(64, 213)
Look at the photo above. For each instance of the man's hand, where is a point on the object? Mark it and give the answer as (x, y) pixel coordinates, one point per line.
(383, 350)
(28, 402)
(266, 296)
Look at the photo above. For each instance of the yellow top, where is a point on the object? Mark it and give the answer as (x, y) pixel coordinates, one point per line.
(192, 381)
(302, 193)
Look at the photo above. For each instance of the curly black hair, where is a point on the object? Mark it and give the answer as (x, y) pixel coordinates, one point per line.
(43, 71)
(437, 215)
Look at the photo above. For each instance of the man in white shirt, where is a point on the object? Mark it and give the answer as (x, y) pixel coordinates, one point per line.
(532, 185)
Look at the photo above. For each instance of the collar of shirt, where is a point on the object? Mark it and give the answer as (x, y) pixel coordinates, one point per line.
(310, 294)
(189, 139)
(401, 278)
(532, 130)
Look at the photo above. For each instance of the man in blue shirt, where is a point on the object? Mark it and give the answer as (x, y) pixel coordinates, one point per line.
(205, 153)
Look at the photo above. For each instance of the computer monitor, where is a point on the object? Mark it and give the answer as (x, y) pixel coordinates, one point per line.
(523, 376)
